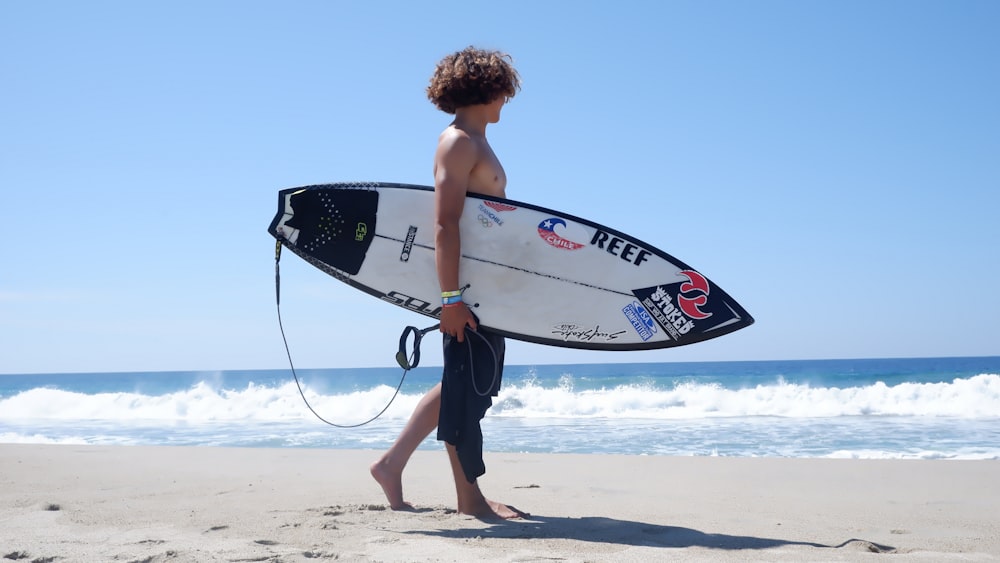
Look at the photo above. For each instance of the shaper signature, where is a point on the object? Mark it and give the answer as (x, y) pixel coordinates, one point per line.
(576, 332)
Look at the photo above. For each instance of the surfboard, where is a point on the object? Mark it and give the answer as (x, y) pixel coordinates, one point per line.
(528, 272)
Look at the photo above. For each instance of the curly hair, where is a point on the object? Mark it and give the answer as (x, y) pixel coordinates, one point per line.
(470, 77)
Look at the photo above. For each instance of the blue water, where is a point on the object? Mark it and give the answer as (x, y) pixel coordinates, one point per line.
(926, 408)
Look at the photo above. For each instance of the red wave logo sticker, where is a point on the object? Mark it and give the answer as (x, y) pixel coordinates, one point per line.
(698, 285)
(499, 206)
(547, 230)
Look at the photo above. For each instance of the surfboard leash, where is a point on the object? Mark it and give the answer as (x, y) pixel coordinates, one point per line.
(415, 359)
(472, 364)
(418, 334)
(405, 361)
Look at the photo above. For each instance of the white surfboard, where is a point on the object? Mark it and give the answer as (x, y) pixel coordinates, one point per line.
(530, 273)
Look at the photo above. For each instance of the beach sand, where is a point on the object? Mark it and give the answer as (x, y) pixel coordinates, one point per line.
(179, 504)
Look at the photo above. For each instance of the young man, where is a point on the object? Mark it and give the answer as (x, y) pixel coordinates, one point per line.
(474, 85)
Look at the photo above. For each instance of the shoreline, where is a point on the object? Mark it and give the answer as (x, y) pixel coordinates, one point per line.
(181, 503)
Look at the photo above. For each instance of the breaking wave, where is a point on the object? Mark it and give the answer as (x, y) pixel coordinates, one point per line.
(972, 397)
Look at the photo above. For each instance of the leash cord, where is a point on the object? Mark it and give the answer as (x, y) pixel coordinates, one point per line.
(401, 357)
(472, 364)
(277, 290)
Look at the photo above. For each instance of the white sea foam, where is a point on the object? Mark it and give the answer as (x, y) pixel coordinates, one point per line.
(35, 438)
(975, 397)
(203, 402)
(962, 454)
(969, 398)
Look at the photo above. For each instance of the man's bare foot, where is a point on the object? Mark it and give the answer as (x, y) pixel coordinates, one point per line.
(506, 511)
(486, 508)
(392, 484)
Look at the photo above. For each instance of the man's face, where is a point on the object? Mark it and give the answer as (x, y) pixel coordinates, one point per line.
(495, 106)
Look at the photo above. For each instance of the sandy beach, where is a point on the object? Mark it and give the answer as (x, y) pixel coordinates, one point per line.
(178, 504)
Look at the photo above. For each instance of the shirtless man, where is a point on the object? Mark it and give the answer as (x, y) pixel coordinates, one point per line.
(473, 85)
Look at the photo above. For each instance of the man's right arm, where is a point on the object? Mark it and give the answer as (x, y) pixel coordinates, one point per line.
(455, 157)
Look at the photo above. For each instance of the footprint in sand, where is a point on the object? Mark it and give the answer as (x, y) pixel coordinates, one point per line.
(265, 542)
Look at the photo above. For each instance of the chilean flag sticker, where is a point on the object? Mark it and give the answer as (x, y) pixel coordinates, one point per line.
(555, 232)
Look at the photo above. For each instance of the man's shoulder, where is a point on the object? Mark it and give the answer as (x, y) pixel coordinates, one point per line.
(456, 135)
(454, 140)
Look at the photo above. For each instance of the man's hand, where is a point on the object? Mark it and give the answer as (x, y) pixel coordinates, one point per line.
(455, 318)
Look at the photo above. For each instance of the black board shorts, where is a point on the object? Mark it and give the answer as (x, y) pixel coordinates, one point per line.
(473, 371)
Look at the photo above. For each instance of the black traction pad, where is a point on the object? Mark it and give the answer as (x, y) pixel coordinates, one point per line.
(335, 226)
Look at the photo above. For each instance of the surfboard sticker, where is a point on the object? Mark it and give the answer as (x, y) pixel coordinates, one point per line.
(557, 233)
(533, 274)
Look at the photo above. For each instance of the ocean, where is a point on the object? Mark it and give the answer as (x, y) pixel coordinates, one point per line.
(917, 408)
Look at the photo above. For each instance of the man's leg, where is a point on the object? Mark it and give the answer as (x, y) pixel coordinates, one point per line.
(388, 469)
(471, 500)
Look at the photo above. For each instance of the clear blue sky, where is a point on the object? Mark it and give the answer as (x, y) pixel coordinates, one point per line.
(835, 166)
